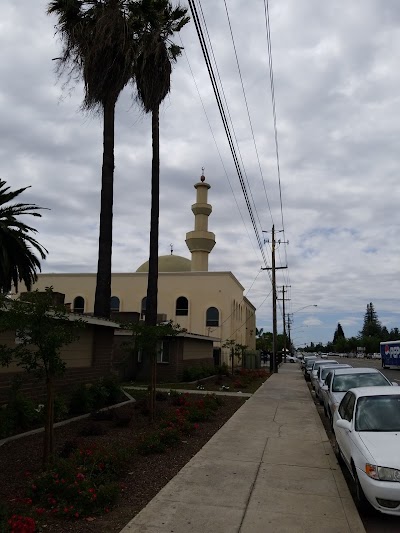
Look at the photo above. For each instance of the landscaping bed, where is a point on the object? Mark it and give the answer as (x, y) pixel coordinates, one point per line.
(242, 380)
(107, 467)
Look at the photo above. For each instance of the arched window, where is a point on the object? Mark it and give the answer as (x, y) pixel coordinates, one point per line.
(182, 306)
(79, 305)
(212, 317)
(114, 304)
(143, 307)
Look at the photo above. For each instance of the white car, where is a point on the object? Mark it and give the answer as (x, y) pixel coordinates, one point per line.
(367, 430)
(316, 365)
(339, 381)
(322, 373)
(291, 359)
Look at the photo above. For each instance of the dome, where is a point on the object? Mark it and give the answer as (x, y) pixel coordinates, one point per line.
(169, 263)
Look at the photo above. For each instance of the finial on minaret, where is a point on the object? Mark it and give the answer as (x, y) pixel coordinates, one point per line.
(172, 248)
(202, 177)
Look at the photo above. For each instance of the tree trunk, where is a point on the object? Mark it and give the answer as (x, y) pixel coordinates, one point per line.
(48, 446)
(152, 280)
(103, 281)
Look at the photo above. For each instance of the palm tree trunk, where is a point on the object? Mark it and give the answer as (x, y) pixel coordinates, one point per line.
(152, 281)
(103, 282)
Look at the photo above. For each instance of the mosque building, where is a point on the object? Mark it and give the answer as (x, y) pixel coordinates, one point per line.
(205, 303)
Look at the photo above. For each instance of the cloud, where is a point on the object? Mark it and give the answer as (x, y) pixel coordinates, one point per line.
(336, 88)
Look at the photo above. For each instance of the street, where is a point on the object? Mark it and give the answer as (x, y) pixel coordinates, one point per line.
(373, 521)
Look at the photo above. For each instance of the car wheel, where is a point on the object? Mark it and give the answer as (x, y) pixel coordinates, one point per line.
(361, 500)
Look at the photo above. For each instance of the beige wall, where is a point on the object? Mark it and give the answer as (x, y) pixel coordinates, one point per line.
(195, 349)
(203, 290)
(78, 354)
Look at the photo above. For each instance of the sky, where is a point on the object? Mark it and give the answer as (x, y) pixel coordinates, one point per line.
(336, 80)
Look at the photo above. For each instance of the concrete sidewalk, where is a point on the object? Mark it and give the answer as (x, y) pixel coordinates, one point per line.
(270, 468)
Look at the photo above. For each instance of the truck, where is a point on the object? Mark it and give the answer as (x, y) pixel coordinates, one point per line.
(390, 353)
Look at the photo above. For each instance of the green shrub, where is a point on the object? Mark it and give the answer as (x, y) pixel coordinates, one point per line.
(99, 395)
(113, 388)
(193, 373)
(80, 401)
(151, 444)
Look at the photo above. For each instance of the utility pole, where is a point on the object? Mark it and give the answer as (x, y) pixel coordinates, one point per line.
(288, 325)
(273, 363)
(284, 290)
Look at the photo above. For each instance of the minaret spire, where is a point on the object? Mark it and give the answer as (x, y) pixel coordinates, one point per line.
(201, 241)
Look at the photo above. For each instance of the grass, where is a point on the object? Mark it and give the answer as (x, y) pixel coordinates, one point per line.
(210, 384)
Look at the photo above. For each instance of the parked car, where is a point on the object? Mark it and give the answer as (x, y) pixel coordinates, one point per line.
(307, 358)
(316, 365)
(307, 368)
(339, 381)
(291, 359)
(367, 430)
(323, 371)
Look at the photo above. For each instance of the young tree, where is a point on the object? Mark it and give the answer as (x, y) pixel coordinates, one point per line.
(100, 46)
(42, 329)
(147, 339)
(18, 261)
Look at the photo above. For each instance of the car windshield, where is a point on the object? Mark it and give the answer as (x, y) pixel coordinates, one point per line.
(378, 413)
(342, 383)
(325, 372)
(309, 364)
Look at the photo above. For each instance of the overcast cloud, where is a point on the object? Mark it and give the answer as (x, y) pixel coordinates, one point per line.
(337, 79)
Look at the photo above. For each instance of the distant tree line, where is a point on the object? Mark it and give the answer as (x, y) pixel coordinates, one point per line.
(370, 336)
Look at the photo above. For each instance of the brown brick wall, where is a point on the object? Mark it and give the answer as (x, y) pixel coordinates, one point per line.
(103, 338)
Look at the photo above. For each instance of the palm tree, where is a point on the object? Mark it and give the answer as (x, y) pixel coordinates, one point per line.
(158, 21)
(18, 261)
(99, 46)
(153, 81)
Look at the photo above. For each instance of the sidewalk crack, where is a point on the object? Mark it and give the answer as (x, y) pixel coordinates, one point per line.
(255, 479)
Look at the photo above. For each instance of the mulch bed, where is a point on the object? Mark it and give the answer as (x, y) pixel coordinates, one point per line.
(145, 476)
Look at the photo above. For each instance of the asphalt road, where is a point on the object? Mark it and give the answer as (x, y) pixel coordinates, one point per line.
(373, 521)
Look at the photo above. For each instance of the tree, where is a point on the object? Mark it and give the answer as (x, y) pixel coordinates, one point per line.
(100, 46)
(42, 329)
(153, 82)
(146, 338)
(18, 261)
(371, 326)
(339, 334)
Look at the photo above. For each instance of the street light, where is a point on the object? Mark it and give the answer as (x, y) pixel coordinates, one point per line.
(305, 307)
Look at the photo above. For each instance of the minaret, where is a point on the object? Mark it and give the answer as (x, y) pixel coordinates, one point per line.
(200, 241)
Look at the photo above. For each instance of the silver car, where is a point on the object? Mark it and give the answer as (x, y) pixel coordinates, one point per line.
(340, 380)
(316, 365)
(322, 373)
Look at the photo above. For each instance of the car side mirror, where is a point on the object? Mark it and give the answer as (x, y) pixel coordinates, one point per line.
(343, 424)
(325, 388)
(395, 384)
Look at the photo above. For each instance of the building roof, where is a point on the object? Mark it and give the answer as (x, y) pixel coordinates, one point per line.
(169, 263)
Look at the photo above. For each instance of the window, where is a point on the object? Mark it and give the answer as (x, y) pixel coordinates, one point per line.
(182, 306)
(163, 352)
(139, 355)
(343, 405)
(212, 317)
(79, 305)
(348, 412)
(114, 304)
(143, 307)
